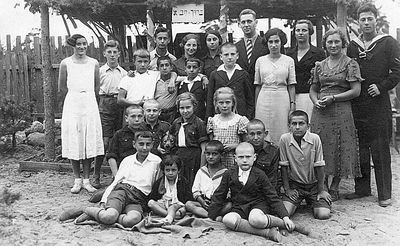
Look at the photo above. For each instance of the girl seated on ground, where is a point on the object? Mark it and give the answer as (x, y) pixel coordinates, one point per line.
(170, 192)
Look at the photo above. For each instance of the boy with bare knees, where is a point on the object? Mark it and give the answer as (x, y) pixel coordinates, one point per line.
(302, 167)
(252, 195)
(126, 198)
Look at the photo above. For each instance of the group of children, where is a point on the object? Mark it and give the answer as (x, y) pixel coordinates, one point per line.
(222, 168)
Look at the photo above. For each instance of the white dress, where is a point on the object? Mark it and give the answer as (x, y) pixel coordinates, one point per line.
(273, 103)
(81, 131)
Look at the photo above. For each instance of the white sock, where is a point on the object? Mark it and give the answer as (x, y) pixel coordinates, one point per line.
(86, 181)
(78, 180)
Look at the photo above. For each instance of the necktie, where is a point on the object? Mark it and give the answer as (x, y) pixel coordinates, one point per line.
(249, 47)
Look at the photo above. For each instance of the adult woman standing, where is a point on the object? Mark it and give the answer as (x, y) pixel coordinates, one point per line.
(212, 59)
(275, 85)
(81, 132)
(304, 55)
(336, 80)
(191, 45)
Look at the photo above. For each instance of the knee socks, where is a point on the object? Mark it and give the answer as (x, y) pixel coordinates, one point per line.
(244, 226)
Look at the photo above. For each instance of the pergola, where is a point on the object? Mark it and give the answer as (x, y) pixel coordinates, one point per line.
(112, 18)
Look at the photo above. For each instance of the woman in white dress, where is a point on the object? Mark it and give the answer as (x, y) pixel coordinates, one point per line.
(275, 82)
(81, 132)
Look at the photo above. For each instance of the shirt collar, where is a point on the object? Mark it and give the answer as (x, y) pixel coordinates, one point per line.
(137, 73)
(150, 157)
(306, 138)
(157, 55)
(190, 121)
(222, 68)
(253, 39)
(186, 81)
(109, 68)
(241, 172)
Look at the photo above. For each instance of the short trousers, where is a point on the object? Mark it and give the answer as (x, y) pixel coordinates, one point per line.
(245, 210)
(308, 192)
(111, 115)
(125, 198)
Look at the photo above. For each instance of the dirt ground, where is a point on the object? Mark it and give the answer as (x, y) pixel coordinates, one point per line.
(33, 218)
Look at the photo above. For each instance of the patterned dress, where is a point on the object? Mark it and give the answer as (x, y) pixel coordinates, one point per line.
(227, 132)
(334, 123)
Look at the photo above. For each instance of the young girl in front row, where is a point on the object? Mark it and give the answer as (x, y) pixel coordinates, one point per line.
(227, 126)
(190, 132)
(170, 192)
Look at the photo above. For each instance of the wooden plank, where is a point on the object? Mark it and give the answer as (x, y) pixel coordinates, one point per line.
(20, 62)
(26, 77)
(130, 49)
(60, 54)
(8, 72)
(102, 59)
(2, 80)
(34, 166)
(14, 80)
(52, 49)
(8, 40)
(36, 48)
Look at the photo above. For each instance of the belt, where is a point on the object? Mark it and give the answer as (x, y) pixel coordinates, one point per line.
(168, 110)
(107, 95)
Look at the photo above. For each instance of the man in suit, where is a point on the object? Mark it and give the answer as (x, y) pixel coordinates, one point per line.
(251, 46)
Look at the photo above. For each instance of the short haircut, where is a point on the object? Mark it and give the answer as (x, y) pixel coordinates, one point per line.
(225, 90)
(275, 31)
(169, 160)
(133, 106)
(111, 44)
(310, 25)
(254, 122)
(163, 58)
(188, 37)
(143, 134)
(186, 96)
(193, 60)
(71, 41)
(161, 29)
(228, 45)
(298, 113)
(367, 7)
(246, 12)
(245, 144)
(217, 144)
(142, 53)
(334, 31)
(152, 101)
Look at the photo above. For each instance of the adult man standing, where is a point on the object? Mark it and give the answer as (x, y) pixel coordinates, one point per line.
(162, 39)
(251, 46)
(379, 58)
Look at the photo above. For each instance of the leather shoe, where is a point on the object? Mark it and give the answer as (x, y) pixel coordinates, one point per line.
(353, 196)
(385, 203)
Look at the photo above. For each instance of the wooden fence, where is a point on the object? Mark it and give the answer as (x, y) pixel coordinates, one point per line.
(21, 66)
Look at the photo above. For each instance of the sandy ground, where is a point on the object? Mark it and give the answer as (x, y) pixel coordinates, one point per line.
(33, 219)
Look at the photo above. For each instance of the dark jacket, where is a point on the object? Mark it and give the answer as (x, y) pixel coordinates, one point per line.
(380, 65)
(258, 189)
(183, 188)
(268, 161)
(195, 131)
(242, 87)
(304, 66)
(160, 128)
(259, 49)
(121, 144)
(200, 95)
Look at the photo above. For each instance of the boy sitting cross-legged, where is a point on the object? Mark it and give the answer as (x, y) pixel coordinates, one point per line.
(207, 180)
(171, 191)
(252, 194)
(126, 198)
(302, 167)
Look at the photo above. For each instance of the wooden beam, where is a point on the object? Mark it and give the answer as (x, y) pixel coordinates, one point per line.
(35, 166)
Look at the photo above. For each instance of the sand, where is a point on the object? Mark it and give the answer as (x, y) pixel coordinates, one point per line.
(33, 218)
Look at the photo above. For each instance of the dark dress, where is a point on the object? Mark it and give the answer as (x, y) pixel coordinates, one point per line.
(303, 75)
(335, 124)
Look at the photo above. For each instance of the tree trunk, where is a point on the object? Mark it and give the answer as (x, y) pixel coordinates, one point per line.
(48, 86)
